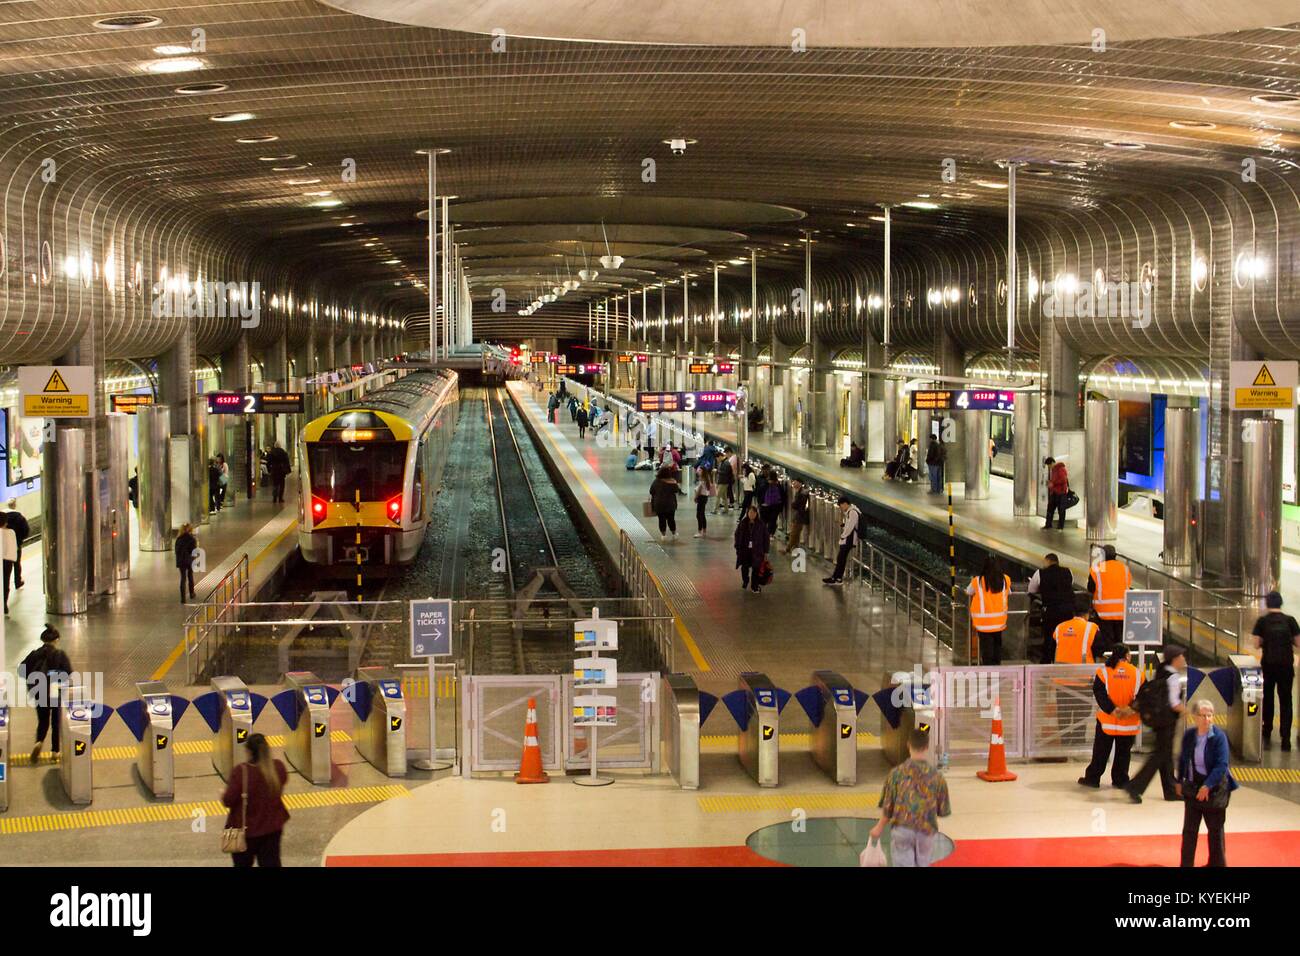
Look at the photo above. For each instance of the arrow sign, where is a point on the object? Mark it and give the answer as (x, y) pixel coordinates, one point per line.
(431, 628)
(1143, 613)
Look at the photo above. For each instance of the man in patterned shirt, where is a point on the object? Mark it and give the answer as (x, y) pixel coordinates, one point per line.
(914, 797)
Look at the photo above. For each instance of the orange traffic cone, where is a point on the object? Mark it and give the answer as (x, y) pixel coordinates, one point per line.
(997, 771)
(530, 766)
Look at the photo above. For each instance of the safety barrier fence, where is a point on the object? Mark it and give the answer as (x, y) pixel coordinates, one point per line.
(639, 583)
(209, 624)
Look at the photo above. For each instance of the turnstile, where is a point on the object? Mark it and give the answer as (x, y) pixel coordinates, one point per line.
(905, 705)
(760, 737)
(4, 754)
(835, 735)
(680, 730)
(235, 713)
(77, 741)
(151, 718)
(1245, 716)
(380, 712)
(305, 707)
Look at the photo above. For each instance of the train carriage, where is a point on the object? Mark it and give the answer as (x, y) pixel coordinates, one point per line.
(371, 469)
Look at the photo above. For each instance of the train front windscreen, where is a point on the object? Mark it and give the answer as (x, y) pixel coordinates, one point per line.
(340, 471)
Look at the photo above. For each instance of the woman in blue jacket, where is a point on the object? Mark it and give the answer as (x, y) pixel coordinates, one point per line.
(1202, 768)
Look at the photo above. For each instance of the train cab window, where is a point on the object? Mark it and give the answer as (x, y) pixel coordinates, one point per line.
(419, 494)
(340, 471)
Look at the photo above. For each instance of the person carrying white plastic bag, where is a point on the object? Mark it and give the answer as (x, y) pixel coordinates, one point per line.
(915, 795)
(873, 854)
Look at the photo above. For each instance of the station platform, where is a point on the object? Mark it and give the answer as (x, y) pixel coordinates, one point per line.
(136, 633)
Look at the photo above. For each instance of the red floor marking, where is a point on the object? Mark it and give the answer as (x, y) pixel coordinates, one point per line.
(1243, 849)
(665, 856)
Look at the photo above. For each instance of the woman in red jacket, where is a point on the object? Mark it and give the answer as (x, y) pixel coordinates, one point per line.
(263, 817)
(1058, 486)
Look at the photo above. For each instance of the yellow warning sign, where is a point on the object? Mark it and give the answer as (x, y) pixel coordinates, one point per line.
(1263, 378)
(56, 383)
(1259, 385)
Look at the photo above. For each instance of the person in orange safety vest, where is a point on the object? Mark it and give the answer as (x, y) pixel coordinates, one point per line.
(989, 594)
(1115, 687)
(1108, 582)
(1074, 641)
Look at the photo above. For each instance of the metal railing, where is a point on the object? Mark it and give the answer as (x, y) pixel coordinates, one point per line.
(207, 626)
(640, 583)
(1196, 616)
(912, 594)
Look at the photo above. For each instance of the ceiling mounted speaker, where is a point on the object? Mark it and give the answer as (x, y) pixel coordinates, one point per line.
(588, 275)
(611, 262)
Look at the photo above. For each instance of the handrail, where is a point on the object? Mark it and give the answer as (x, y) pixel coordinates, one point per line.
(219, 608)
(640, 583)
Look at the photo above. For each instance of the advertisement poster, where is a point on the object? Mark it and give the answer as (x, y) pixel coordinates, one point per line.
(24, 440)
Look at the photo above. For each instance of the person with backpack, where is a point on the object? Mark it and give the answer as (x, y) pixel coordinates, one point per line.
(1275, 635)
(1115, 688)
(726, 479)
(47, 670)
(751, 542)
(850, 517)
(704, 490)
(1159, 703)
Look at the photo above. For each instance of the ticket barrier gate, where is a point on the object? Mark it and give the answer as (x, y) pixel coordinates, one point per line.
(80, 721)
(4, 753)
(688, 708)
(832, 705)
(152, 718)
(757, 706)
(905, 705)
(1242, 686)
(380, 725)
(229, 710)
(305, 707)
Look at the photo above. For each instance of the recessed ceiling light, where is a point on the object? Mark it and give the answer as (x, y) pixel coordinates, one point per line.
(1069, 163)
(172, 49)
(440, 151)
(267, 138)
(1123, 144)
(276, 159)
(921, 204)
(194, 89)
(320, 192)
(875, 219)
(688, 142)
(182, 64)
(231, 117)
(347, 225)
(301, 182)
(391, 262)
(129, 22)
(1276, 99)
(922, 195)
(990, 184)
(1193, 124)
(290, 169)
(327, 203)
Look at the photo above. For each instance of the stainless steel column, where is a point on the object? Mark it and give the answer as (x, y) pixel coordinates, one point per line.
(153, 437)
(63, 516)
(1182, 446)
(976, 425)
(119, 466)
(1024, 449)
(1261, 506)
(1101, 467)
(892, 388)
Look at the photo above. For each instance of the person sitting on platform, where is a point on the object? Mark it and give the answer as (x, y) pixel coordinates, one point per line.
(900, 458)
(857, 456)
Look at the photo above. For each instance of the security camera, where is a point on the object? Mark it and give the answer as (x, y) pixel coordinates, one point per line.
(678, 146)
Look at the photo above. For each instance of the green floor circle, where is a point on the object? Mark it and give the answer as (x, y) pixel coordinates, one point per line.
(825, 841)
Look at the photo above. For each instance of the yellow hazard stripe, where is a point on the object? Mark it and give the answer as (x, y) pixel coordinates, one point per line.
(166, 812)
(787, 740)
(1265, 775)
(751, 803)
(418, 687)
(130, 752)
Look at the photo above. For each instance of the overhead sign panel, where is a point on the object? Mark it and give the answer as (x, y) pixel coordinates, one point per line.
(1263, 385)
(128, 403)
(972, 399)
(715, 401)
(255, 403)
(56, 391)
(1143, 617)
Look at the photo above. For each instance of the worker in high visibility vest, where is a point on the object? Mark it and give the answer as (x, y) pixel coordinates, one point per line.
(1115, 687)
(989, 596)
(1074, 641)
(1108, 582)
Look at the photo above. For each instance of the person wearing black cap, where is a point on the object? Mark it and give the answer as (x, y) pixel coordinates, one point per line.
(1165, 725)
(46, 670)
(1275, 636)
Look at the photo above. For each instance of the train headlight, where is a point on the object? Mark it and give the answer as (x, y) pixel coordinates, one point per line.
(319, 509)
(395, 508)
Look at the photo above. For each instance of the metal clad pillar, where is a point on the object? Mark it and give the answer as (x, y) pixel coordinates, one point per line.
(154, 434)
(1182, 445)
(119, 463)
(977, 455)
(1261, 480)
(63, 514)
(893, 389)
(1101, 443)
(1024, 447)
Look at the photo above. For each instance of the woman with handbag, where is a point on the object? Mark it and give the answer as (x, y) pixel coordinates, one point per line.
(1205, 784)
(257, 814)
(751, 542)
(1058, 487)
